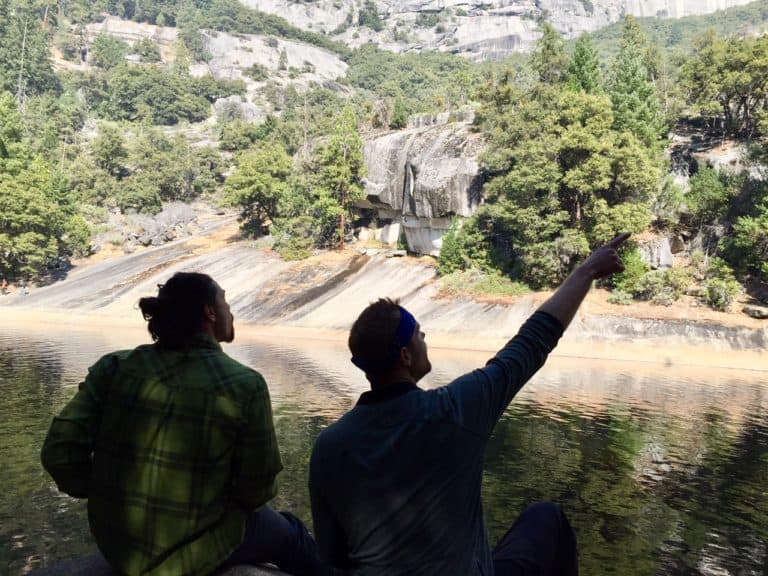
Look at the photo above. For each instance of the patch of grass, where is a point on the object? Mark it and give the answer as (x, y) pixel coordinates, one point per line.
(478, 283)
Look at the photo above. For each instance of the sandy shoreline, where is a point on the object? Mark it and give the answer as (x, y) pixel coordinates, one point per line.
(643, 352)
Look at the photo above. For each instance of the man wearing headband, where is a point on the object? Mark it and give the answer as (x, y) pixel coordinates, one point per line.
(395, 483)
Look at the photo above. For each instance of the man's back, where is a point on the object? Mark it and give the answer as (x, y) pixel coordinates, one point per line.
(395, 484)
(406, 477)
(183, 448)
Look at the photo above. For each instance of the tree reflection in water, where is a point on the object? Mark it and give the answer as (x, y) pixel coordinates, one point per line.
(661, 472)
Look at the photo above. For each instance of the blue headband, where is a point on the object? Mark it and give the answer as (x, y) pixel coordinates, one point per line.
(403, 335)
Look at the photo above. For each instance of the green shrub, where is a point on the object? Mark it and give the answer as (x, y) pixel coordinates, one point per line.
(474, 282)
(369, 17)
(294, 238)
(653, 287)
(428, 19)
(719, 293)
(107, 51)
(620, 298)
(634, 269)
(463, 247)
(721, 286)
(257, 72)
(147, 50)
(662, 287)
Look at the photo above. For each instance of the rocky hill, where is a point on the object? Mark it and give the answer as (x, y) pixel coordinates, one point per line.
(326, 292)
(478, 29)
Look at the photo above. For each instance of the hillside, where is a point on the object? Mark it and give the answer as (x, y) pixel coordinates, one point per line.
(321, 296)
(508, 172)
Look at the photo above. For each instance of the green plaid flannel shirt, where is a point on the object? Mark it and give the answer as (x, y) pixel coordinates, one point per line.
(173, 450)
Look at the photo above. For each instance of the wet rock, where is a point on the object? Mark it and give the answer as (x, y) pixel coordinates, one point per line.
(420, 178)
(759, 312)
(657, 253)
(676, 244)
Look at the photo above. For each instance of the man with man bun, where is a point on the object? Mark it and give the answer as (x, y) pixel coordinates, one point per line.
(395, 483)
(174, 447)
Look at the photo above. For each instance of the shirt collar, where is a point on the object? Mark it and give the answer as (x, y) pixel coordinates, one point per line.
(200, 340)
(386, 393)
(204, 340)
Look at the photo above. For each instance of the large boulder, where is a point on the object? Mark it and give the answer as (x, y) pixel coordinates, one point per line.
(420, 178)
(759, 312)
(657, 253)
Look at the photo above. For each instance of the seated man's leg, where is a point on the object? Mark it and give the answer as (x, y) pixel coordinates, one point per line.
(541, 542)
(278, 538)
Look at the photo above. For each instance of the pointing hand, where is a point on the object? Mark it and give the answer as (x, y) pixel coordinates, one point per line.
(605, 260)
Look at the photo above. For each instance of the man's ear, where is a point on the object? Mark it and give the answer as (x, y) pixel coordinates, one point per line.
(405, 356)
(209, 313)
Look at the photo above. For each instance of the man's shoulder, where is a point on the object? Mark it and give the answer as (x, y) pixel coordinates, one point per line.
(237, 372)
(337, 432)
(112, 360)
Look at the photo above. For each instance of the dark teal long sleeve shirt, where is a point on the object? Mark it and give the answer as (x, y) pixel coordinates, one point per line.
(395, 484)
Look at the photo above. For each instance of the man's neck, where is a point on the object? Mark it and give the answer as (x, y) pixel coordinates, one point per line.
(393, 378)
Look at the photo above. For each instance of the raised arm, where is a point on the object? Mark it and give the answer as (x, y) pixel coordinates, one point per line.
(480, 397)
(601, 263)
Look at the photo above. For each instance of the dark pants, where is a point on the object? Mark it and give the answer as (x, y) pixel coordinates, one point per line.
(541, 543)
(278, 538)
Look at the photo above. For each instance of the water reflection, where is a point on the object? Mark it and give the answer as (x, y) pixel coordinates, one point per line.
(662, 471)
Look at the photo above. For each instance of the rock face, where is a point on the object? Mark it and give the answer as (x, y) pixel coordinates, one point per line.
(657, 253)
(418, 179)
(477, 29)
(759, 312)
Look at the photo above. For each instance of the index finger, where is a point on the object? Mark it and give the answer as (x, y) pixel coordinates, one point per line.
(619, 240)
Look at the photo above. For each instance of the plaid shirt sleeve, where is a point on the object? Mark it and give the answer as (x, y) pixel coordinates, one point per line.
(257, 460)
(68, 448)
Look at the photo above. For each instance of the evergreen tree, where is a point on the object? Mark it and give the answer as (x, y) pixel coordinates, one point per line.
(37, 225)
(340, 170)
(635, 103)
(549, 58)
(259, 184)
(108, 149)
(25, 62)
(584, 72)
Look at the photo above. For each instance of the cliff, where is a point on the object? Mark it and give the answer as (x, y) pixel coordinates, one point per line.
(477, 29)
(419, 178)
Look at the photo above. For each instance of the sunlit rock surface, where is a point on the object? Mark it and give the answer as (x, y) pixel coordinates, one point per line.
(418, 179)
(328, 293)
(477, 29)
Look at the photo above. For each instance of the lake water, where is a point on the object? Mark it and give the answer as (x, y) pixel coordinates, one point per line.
(662, 470)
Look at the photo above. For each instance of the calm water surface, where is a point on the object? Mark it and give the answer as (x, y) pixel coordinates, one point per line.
(662, 470)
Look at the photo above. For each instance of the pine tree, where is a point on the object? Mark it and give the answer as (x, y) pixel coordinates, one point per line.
(633, 96)
(341, 169)
(259, 185)
(549, 59)
(37, 225)
(584, 72)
